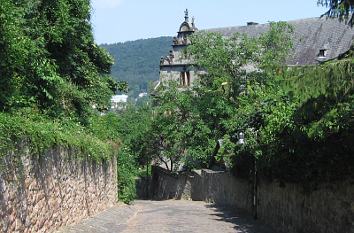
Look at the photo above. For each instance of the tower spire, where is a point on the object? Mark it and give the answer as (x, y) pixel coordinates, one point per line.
(186, 16)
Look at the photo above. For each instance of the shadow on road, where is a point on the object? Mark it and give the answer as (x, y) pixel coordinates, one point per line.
(243, 222)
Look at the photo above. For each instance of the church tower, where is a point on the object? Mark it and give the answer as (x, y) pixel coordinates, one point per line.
(176, 66)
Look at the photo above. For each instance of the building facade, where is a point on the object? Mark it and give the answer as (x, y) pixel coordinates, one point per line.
(177, 66)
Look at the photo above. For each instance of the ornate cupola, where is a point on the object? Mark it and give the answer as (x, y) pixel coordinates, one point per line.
(186, 29)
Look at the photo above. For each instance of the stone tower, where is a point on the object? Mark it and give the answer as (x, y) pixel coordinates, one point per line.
(176, 66)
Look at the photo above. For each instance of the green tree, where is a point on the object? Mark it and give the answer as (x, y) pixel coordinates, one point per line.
(179, 134)
(294, 119)
(188, 123)
(50, 59)
(241, 77)
(342, 9)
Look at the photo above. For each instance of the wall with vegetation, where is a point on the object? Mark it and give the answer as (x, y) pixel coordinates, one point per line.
(54, 86)
(41, 194)
(288, 207)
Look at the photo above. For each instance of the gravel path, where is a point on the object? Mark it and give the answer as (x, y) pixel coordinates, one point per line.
(168, 216)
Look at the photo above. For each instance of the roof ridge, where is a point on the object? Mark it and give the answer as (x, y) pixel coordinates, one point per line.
(293, 21)
(309, 38)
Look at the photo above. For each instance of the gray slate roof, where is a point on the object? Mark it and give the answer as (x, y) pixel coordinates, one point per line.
(310, 36)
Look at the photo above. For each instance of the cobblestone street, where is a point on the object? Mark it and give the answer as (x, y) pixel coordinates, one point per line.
(168, 216)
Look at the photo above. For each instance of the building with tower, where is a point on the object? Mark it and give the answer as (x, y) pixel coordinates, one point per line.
(177, 66)
(315, 40)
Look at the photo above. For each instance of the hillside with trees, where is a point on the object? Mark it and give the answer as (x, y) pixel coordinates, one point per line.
(137, 62)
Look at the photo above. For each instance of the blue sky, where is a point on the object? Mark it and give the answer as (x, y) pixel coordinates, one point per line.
(124, 20)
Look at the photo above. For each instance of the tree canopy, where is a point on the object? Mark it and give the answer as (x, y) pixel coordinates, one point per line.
(186, 125)
(49, 60)
(339, 8)
(296, 121)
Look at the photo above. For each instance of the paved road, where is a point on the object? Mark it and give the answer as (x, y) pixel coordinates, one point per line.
(168, 216)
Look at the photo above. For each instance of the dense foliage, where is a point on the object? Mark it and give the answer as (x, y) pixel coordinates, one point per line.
(186, 125)
(137, 62)
(178, 134)
(319, 131)
(134, 126)
(297, 121)
(40, 133)
(52, 73)
(54, 82)
(49, 60)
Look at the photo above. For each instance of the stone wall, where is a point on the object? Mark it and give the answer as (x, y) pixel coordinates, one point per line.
(327, 209)
(57, 189)
(143, 188)
(286, 207)
(173, 74)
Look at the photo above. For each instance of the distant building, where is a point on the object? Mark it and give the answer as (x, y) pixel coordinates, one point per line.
(176, 66)
(315, 40)
(119, 102)
(143, 94)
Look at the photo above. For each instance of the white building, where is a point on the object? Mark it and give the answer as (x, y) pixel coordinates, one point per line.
(118, 102)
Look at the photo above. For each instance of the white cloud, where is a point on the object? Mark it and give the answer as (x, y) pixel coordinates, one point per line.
(106, 3)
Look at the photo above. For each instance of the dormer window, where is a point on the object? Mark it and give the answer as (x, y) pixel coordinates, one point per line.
(322, 53)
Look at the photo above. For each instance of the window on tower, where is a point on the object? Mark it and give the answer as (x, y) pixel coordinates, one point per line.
(185, 79)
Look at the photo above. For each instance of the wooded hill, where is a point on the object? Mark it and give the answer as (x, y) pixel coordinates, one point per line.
(137, 62)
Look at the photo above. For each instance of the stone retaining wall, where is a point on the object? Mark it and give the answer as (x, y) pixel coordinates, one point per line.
(43, 194)
(287, 207)
(327, 209)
